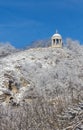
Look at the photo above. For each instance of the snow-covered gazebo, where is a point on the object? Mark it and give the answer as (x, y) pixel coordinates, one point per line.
(56, 40)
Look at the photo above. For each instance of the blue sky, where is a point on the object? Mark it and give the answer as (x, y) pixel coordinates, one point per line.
(24, 21)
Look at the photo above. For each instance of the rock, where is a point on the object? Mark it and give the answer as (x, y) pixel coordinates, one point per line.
(81, 105)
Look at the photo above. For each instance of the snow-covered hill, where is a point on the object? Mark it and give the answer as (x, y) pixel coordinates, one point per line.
(49, 72)
(55, 74)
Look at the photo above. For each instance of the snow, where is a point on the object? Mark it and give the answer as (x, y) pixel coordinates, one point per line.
(47, 68)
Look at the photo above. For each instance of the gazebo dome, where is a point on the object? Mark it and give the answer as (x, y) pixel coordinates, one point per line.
(57, 35)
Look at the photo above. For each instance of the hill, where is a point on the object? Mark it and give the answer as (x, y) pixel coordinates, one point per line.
(42, 88)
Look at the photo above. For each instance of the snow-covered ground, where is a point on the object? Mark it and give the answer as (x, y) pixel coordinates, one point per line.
(49, 78)
(50, 72)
